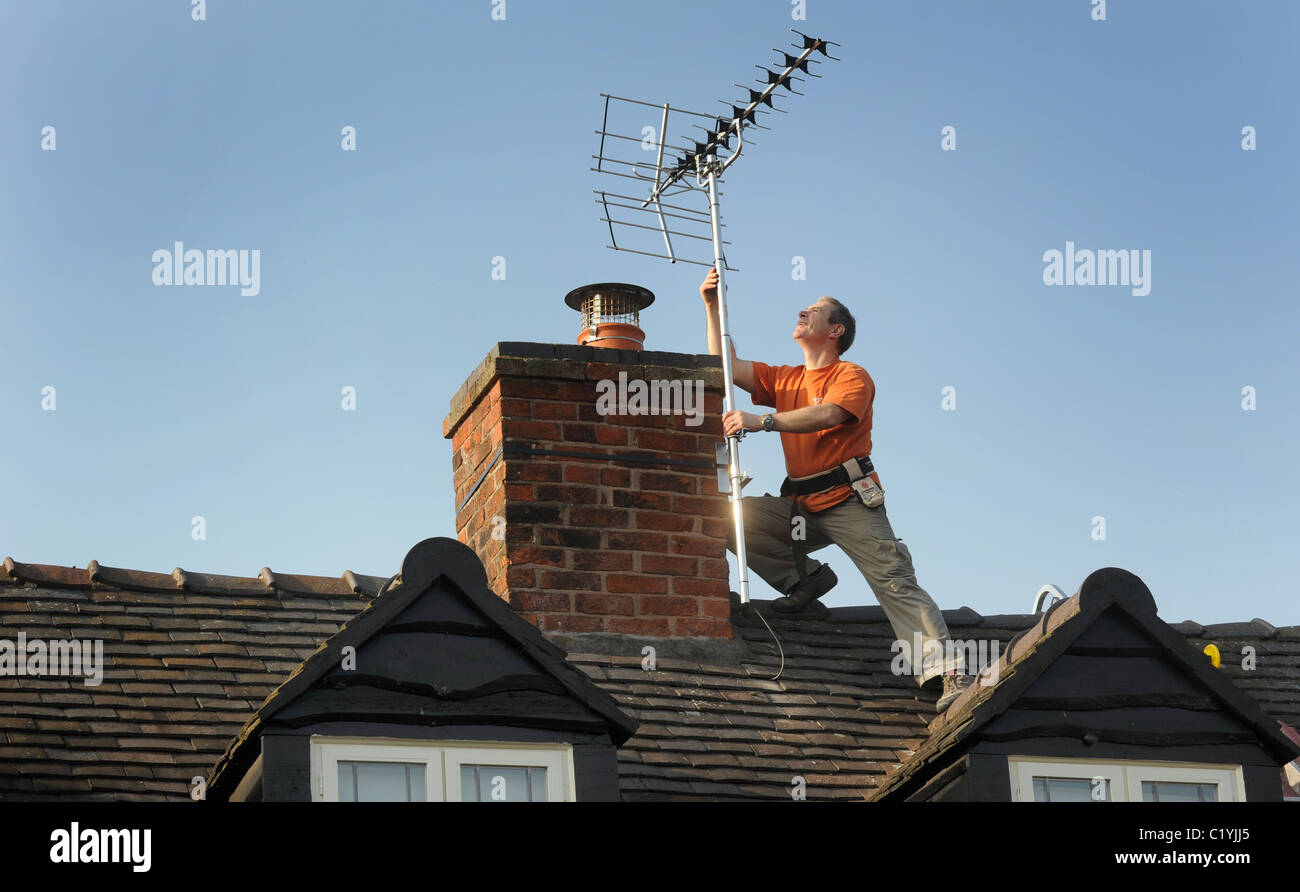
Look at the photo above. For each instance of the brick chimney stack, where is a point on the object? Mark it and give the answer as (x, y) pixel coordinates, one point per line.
(586, 481)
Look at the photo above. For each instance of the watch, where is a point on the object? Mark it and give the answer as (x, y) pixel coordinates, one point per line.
(769, 422)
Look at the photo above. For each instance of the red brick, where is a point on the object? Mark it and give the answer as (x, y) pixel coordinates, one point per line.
(579, 433)
(571, 495)
(702, 546)
(703, 506)
(659, 422)
(602, 560)
(672, 565)
(470, 517)
(682, 483)
(520, 577)
(606, 518)
(604, 371)
(655, 520)
(578, 391)
(706, 422)
(666, 606)
(615, 477)
(705, 588)
(565, 622)
(536, 471)
(611, 436)
(582, 473)
(460, 438)
(655, 542)
(700, 627)
(655, 628)
(569, 538)
(630, 498)
(528, 388)
(521, 491)
(718, 608)
(714, 568)
(574, 580)
(548, 602)
(526, 512)
(517, 408)
(519, 532)
(717, 527)
(615, 604)
(633, 584)
(665, 441)
(555, 411)
(522, 428)
(551, 557)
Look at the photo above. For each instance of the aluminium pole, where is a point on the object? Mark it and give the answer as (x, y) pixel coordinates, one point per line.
(729, 393)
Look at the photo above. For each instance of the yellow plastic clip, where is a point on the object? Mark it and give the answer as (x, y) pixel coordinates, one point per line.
(1213, 653)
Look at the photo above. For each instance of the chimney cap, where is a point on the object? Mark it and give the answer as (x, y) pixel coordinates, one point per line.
(640, 297)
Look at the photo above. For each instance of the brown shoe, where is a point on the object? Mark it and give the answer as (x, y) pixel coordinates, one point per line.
(803, 594)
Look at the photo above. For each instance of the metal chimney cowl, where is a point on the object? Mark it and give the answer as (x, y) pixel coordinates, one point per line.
(610, 314)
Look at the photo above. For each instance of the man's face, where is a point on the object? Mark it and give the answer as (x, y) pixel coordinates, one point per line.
(814, 323)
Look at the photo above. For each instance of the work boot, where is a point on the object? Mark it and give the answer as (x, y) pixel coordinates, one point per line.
(803, 594)
(954, 685)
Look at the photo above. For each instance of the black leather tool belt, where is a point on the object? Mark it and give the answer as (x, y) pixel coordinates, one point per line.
(853, 469)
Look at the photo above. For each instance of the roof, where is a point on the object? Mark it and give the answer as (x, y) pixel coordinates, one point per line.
(715, 724)
(1031, 654)
(190, 656)
(194, 655)
(428, 563)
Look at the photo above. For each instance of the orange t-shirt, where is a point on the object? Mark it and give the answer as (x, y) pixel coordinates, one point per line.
(847, 385)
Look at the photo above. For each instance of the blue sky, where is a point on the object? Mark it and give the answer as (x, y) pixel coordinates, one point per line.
(474, 139)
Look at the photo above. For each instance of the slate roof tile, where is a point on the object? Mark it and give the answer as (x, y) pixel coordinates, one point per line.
(181, 669)
(190, 656)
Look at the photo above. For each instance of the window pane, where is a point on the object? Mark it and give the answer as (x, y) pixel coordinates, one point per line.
(1174, 791)
(381, 782)
(347, 782)
(1065, 789)
(502, 783)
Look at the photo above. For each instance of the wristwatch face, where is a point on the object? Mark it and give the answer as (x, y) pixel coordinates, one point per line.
(768, 421)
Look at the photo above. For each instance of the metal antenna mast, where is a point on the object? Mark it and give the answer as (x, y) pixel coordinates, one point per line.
(707, 161)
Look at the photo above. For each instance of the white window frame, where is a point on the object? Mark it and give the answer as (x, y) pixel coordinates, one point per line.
(1124, 777)
(442, 760)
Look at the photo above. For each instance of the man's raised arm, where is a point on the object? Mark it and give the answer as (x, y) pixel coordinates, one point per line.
(742, 370)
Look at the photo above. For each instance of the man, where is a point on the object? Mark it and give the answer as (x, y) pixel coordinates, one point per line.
(824, 418)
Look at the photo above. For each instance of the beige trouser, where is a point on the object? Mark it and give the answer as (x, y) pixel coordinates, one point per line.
(866, 537)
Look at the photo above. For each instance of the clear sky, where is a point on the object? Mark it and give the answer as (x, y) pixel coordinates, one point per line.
(474, 139)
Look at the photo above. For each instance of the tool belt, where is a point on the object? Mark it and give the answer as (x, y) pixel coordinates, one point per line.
(850, 472)
(854, 472)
